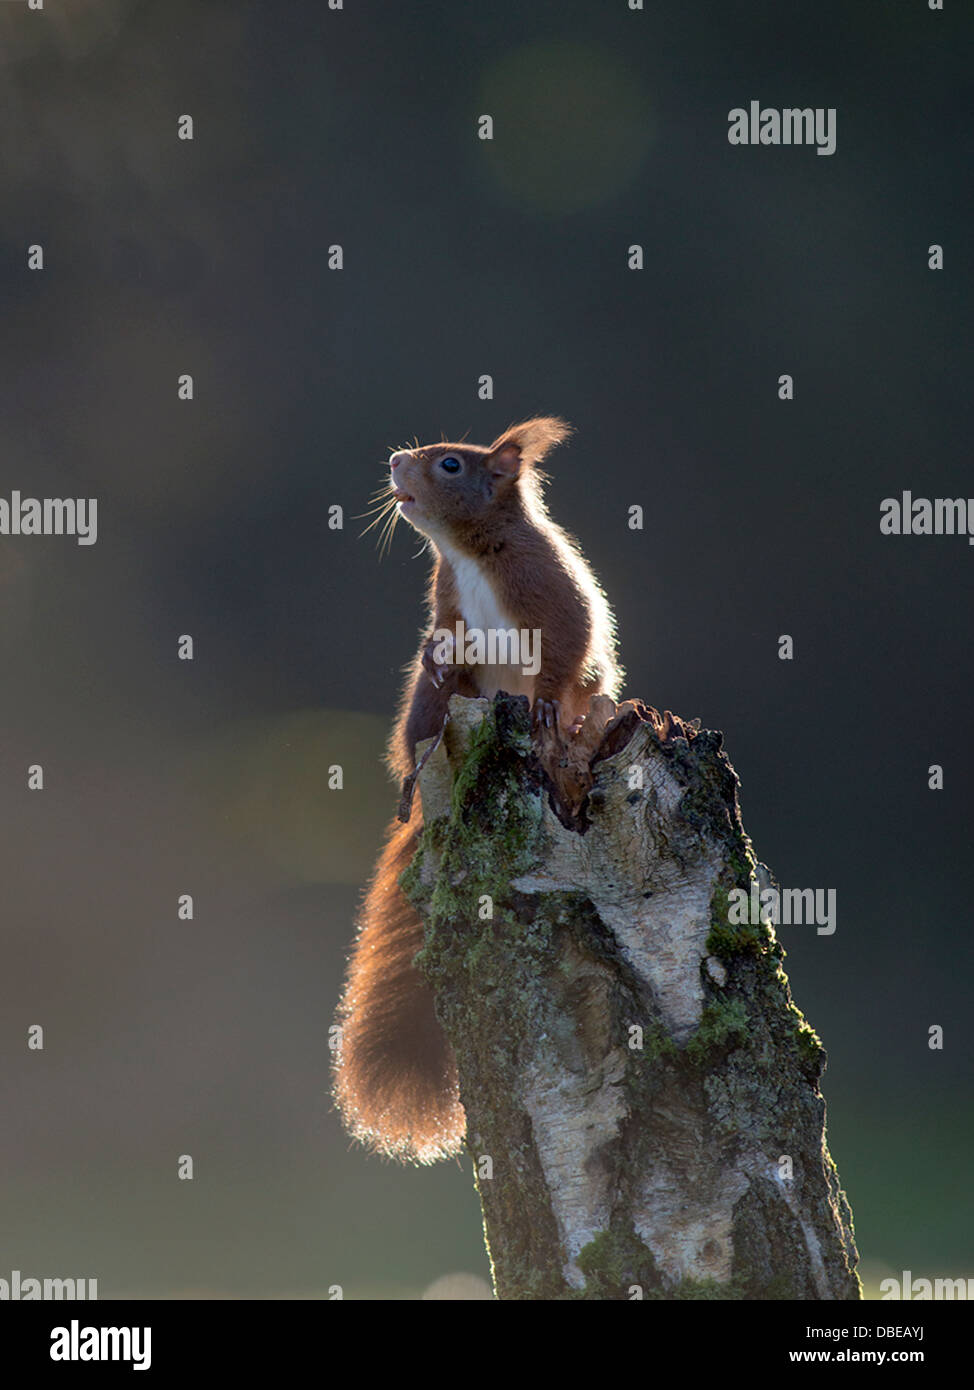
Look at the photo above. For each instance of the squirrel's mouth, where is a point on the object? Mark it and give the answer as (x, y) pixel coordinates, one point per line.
(401, 496)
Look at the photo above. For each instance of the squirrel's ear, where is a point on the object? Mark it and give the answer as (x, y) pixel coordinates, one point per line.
(526, 444)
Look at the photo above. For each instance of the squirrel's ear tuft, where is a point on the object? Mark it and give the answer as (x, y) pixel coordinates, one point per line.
(527, 443)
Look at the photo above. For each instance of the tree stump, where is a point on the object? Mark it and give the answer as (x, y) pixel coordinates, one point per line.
(642, 1098)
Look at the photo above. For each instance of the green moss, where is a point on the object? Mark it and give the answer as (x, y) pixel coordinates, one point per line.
(728, 939)
(781, 1288)
(436, 833)
(488, 839)
(742, 861)
(409, 879)
(657, 1043)
(615, 1261)
(807, 1043)
(722, 1021)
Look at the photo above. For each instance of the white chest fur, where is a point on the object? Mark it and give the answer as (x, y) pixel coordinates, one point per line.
(481, 611)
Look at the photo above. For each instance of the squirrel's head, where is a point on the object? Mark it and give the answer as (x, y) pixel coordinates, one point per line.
(448, 491)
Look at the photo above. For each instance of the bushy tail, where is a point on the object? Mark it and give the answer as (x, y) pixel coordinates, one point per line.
(395, 1077)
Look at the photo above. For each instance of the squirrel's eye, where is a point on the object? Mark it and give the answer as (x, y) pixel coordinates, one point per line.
(450, 464)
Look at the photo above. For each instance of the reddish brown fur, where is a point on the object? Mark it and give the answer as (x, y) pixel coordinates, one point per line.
(396, 1081)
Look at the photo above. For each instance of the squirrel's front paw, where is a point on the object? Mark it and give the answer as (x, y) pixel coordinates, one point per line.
(437, 670)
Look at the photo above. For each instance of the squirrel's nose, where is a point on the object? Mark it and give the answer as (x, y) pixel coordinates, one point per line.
(399, 458)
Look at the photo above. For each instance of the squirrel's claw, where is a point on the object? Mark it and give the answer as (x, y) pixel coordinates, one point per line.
(546, 714)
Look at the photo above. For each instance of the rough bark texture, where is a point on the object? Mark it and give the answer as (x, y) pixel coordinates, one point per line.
(632, 1066)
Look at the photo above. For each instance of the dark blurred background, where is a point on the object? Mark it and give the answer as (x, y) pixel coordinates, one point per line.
(165, 1037)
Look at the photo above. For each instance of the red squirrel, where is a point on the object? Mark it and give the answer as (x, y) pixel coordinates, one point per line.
(500, 562)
